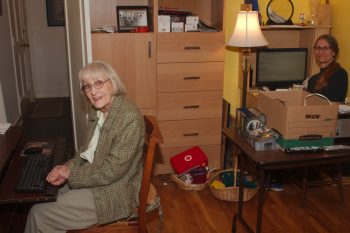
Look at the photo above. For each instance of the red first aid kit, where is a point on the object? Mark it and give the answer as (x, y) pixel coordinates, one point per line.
(189, 159)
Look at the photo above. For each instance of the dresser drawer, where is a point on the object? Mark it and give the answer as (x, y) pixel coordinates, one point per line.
(163, 158)
(190, 47)
(189, 105)
(190, 76)
(190, 132)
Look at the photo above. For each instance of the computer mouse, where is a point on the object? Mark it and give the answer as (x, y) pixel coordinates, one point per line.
(34, 150)
(264, 88)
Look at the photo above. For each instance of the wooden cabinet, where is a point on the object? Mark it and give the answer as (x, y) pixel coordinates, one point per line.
(178, 77)
(133, 57)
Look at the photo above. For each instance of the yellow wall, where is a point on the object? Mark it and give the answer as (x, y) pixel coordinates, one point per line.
(231, 91)
(341, 30)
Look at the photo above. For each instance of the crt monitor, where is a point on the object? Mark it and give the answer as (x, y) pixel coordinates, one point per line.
(280, 67)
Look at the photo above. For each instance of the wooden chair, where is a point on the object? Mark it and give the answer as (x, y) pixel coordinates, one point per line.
(138, 224)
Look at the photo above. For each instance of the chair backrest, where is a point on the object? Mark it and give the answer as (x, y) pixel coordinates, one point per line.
(153, 138)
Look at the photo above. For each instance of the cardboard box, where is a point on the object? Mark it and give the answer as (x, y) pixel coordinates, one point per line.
(177, 26)
(164, 19)
(191, 27)
(164, 27)
(192, 20)
(294, 114)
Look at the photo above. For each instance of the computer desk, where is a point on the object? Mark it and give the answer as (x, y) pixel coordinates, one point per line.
(8, 183)
(8, 144)
(264, 161)
(11, 202)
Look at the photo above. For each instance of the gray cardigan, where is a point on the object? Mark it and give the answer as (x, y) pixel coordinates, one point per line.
(116, 172)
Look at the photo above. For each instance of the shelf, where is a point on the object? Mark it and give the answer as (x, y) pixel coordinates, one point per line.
(291, 27)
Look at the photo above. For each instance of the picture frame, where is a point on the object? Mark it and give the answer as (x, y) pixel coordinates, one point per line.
(55, 12)
(129, 18)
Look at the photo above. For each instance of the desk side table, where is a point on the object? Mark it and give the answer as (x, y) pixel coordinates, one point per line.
(265, 161)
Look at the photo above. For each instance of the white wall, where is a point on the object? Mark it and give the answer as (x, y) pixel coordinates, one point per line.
(9, 101)
(47, 52)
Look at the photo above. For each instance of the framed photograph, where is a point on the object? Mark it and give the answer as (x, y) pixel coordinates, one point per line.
(131, 17)
(55, 12)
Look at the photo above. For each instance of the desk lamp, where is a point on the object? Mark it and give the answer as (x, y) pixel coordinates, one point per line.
(247, 34)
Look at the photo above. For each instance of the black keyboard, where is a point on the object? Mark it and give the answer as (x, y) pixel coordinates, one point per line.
(304, 149)
(33, 174)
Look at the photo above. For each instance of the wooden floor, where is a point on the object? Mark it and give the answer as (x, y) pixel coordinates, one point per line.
(199, 211)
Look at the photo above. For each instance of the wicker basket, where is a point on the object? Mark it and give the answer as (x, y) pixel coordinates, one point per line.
(185, 186)
(231, 193)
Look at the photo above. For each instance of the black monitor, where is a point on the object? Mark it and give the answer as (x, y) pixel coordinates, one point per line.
(280, 67)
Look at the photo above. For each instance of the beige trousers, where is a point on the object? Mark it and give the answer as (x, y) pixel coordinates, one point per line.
(74, 209)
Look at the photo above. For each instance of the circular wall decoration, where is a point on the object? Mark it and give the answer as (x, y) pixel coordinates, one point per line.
(279, 12)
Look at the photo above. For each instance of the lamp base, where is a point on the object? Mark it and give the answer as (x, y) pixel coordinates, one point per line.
(246, 56)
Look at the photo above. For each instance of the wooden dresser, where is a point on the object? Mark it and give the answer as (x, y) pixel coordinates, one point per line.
(175, 76)
(190, 70)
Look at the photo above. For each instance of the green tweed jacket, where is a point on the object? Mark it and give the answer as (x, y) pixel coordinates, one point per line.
(116, 172)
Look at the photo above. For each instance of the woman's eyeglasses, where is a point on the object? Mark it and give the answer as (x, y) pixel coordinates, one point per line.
(319, 49)
(97, 85)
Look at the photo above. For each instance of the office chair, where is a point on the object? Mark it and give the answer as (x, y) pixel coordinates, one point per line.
(137, 224)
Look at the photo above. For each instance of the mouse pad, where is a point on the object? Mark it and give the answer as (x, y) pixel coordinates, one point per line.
(46, 148)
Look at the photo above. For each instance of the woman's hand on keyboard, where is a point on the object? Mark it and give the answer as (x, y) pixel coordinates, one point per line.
(58, 175)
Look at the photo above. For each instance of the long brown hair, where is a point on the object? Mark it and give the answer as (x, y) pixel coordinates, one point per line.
(333, 67)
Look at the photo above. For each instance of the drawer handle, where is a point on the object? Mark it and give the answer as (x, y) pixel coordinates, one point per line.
(191, 77)
(149, 49)
(190, 106)
(191, 134)
(192, 47)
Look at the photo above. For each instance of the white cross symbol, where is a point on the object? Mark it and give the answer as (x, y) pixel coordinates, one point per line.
(188, 158)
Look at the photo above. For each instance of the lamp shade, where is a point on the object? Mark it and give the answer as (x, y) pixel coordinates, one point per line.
(247, 32)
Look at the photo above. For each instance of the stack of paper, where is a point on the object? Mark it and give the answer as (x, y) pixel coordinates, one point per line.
(4, 127)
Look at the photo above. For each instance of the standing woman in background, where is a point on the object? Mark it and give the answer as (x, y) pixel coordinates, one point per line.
(332, 80)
